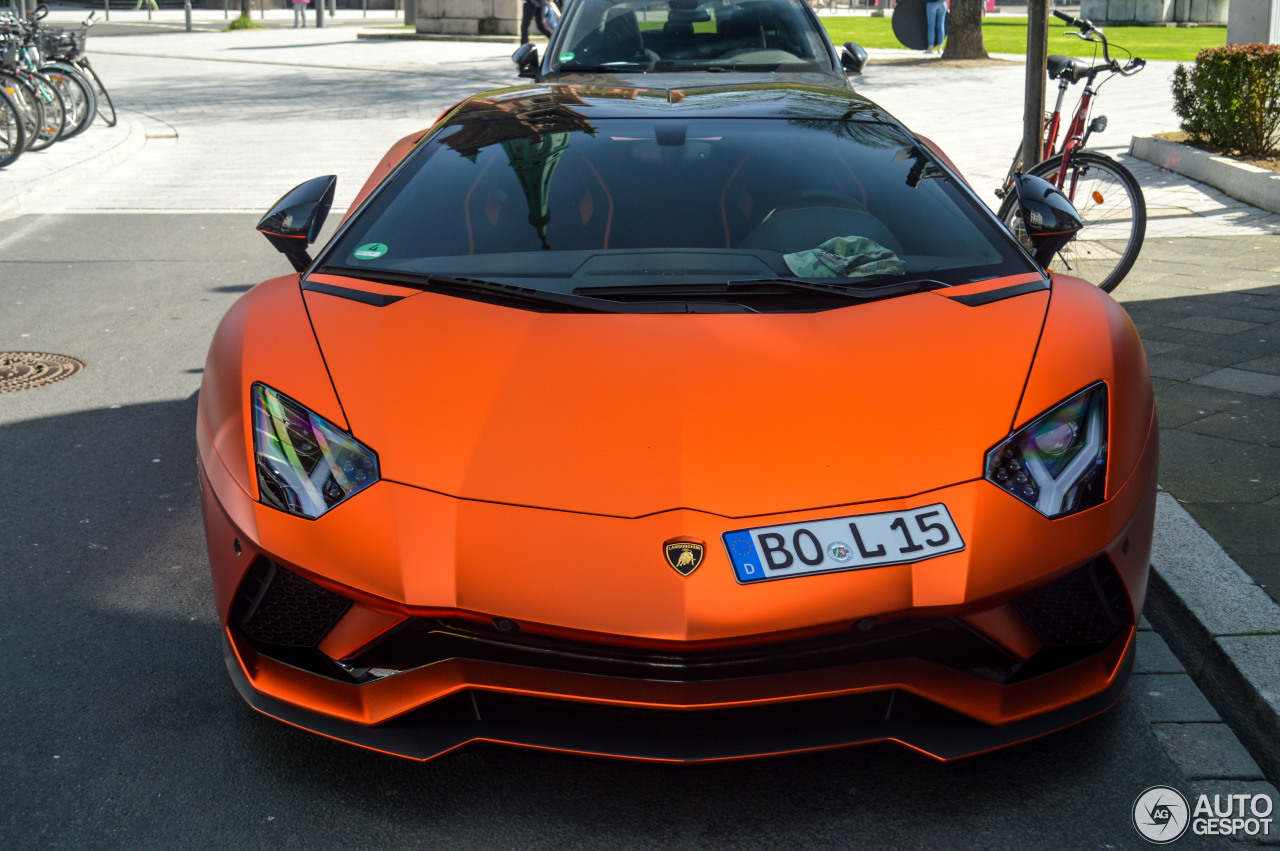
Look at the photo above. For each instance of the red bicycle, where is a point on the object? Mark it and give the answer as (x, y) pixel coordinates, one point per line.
(1103, 191)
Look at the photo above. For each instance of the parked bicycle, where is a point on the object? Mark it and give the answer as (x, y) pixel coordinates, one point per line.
(13, 131)
(41, 106)
(1104, 192)
(59, 45)
(49, 89)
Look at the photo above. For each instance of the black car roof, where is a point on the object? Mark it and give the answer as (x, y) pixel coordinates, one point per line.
(561, 102)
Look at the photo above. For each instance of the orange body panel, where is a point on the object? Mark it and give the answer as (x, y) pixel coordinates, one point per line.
(629, 415)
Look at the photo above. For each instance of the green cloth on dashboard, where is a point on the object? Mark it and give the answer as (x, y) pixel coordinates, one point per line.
(845, 257)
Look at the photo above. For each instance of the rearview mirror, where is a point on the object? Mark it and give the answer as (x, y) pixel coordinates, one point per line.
(526, 59)
(852, 57)
(295, 220)
(1048, 217)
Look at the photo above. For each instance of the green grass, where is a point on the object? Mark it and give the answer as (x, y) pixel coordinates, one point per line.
(244, 22)
(1009, 35)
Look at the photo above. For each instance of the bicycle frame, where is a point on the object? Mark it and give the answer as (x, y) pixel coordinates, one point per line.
(1075, 135)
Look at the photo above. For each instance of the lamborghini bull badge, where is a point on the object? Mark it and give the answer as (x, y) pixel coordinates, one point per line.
(684, 554)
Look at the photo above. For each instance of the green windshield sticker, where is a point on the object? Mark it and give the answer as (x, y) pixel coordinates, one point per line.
(566, 57)
(371, 251)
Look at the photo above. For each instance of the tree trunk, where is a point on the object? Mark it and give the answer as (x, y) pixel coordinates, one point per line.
(964, 31)
(246, 8)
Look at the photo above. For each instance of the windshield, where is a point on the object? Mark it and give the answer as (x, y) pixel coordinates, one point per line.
(669, 35)
(580, 206)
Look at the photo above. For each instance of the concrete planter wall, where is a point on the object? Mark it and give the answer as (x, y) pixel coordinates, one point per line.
(469, 17)
(1154, 11)
(1248, 183)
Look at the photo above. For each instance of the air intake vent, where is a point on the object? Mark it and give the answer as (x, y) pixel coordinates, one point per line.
(1085, 607)
(275, 606)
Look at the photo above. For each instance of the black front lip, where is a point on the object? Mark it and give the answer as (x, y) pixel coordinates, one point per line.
(681, 736)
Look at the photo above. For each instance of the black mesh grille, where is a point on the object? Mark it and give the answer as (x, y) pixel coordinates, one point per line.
(275, 606)
(1085, 607)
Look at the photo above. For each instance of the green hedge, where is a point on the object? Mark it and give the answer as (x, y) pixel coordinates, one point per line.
(1230, 97)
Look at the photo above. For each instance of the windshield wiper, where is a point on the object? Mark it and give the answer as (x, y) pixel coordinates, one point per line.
(446, 283)
(568, 301)
(877, 286)
(869, 289)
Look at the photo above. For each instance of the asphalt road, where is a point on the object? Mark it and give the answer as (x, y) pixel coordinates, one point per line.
(123, 730)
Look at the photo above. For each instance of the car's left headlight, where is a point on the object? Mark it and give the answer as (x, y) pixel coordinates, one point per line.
(306, 464)
(1057, 463)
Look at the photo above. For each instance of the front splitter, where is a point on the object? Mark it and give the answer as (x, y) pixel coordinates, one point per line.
(891, 715)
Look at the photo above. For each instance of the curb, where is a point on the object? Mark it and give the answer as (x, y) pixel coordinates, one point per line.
(1244, 182)
(96, 161)
(1221, 625)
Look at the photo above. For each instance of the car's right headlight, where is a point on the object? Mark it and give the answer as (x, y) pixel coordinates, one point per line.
(1057, 463)
(306, 464)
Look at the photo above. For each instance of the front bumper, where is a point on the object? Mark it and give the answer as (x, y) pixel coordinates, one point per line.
(473, 712)
(934, 705)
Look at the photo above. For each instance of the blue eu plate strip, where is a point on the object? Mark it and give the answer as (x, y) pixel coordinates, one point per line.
(747, 564)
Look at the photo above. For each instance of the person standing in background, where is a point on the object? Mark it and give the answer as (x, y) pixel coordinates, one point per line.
(299, 13)
(935, 22)
(532, 12)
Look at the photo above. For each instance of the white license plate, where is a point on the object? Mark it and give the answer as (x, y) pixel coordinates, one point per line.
(842, 543)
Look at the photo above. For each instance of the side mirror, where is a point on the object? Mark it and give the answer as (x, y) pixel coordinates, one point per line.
(852, 57)
(1048, 217)
(526, 59)
(295, 220)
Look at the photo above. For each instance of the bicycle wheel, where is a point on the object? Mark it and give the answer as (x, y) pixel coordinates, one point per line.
(55, 113)
(76, 93)
(24, 98)
(1114, 213)
(13, 135)
(106, 109)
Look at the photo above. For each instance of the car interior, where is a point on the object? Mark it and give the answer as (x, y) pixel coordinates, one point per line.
(766, 32)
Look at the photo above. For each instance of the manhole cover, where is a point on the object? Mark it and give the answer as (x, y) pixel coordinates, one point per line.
(20, 370)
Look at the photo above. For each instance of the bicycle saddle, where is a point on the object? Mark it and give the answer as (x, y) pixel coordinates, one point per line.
(1071, 67)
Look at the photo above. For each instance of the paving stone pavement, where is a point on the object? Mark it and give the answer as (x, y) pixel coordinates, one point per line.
(1208, 310)
(250, 114)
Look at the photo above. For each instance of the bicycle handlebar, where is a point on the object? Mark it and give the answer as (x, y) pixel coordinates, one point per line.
(1133, 66)
(1084, 25)
(1089, 32)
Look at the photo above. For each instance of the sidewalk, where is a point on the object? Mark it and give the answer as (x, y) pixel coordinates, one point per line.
(197, 134)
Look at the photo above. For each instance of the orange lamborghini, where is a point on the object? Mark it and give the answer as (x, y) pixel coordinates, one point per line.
(675, 425)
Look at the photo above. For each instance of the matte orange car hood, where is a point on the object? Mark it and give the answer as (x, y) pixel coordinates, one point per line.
(626, 415)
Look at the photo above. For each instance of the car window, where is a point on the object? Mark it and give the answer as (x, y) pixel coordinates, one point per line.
(686, 34)
(578, 203)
